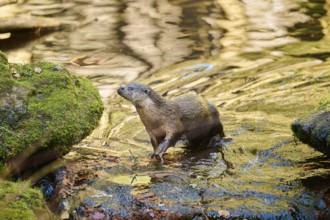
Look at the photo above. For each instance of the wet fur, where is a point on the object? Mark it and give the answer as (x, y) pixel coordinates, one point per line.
(188, 117)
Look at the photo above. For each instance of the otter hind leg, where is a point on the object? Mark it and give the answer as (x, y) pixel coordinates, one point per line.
(213, 133)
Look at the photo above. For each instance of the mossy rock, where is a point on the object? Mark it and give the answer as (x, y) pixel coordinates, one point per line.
(20, 201)
(44, 110)
(314, 130)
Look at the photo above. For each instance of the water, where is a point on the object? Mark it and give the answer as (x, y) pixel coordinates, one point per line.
(262, 63)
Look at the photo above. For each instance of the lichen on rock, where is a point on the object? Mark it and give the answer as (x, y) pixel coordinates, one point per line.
(44, 110)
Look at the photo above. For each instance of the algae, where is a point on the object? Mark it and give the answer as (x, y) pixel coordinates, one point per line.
(325, 103)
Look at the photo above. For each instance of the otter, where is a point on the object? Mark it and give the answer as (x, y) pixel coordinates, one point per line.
(187, 117)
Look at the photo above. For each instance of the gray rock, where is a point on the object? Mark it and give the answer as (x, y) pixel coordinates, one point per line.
(314, 131)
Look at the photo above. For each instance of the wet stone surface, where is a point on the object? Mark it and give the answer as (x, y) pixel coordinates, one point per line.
(314, 131)
(143, 189)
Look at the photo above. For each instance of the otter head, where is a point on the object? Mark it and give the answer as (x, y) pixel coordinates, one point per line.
(136, 93)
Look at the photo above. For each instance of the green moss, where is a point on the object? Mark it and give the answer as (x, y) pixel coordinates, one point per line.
(5, 84)
(3, 58)
(20, 201)
(50, 109)
(4, 68)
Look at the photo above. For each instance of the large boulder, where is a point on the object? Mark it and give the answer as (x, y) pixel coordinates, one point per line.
(44, 110)
(314, 130)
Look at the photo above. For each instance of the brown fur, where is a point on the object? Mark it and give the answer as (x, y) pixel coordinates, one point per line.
(188, 117)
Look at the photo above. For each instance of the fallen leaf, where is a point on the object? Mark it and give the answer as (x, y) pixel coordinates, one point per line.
(224, 213)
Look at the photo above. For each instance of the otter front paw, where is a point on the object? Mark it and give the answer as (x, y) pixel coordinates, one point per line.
(152, 155)
(158, 157)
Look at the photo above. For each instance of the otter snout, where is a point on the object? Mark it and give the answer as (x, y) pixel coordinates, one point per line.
(120, 90)
(134, 92)
(123, 92)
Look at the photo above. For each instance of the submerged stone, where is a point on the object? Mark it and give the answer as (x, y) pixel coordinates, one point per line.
(44, 110)
(314, 131)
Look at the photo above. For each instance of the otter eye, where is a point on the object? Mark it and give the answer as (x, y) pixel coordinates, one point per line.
(146, 91)
(130, 89)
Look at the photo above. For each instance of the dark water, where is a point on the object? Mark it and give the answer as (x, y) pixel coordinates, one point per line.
(263, 63)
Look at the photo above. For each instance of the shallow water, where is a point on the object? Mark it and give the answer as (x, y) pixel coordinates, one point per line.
(262, 63)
